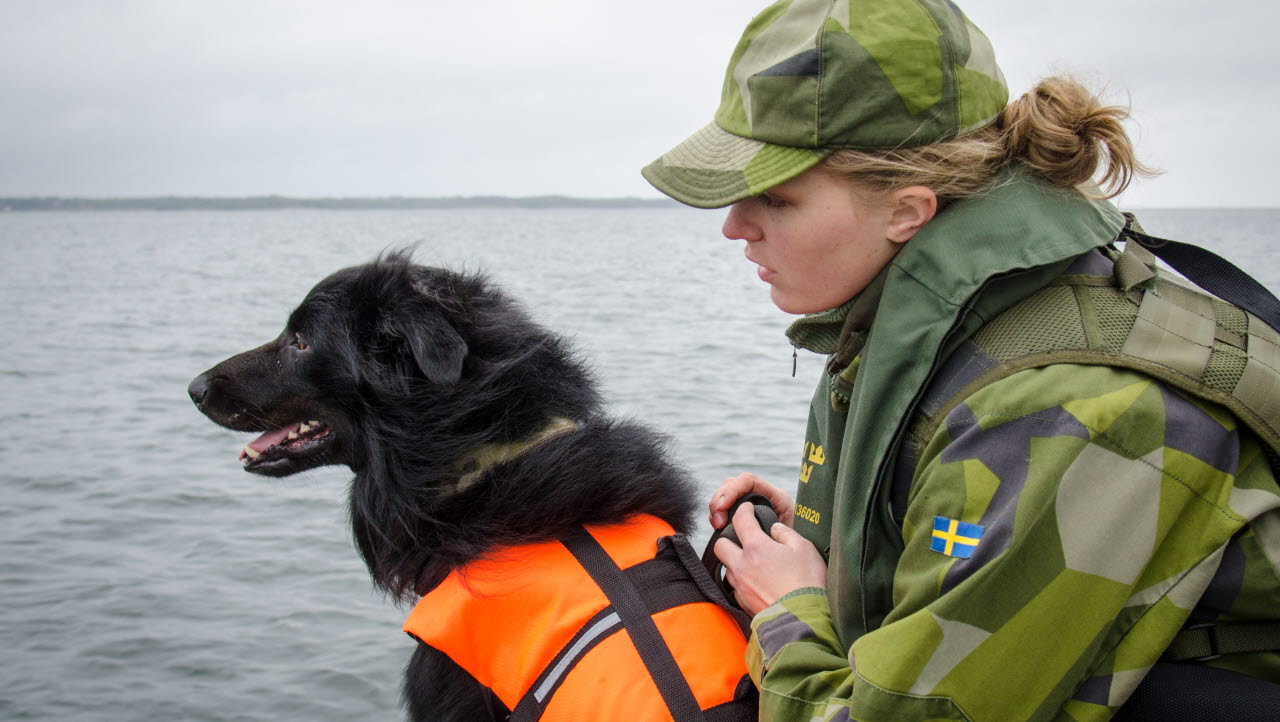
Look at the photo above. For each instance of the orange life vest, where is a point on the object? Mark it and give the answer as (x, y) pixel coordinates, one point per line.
(532, 624)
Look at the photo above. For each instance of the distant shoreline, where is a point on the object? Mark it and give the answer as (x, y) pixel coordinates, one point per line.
(275, 202)
(260, 203)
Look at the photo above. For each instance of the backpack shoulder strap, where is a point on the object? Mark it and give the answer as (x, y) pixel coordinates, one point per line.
(1206, 269)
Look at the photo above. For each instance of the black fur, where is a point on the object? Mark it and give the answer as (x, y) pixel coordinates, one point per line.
(409, 368)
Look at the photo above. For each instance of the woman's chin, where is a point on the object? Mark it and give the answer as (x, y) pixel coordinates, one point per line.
(787, 303)
(799, 304)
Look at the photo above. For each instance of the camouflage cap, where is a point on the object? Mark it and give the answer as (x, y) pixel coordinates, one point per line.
(810, 77)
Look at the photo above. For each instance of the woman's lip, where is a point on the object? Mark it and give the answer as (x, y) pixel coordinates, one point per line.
(766, 274)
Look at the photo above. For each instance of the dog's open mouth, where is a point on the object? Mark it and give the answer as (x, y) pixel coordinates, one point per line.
(286, 450)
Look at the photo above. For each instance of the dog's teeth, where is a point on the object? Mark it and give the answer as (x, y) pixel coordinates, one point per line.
(251, 452)
(314, 423)
(303, 428)
(293, 435)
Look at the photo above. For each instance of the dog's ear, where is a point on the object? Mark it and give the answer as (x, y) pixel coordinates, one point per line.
(437, 347)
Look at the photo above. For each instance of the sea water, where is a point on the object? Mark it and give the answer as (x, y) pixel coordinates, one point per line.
(144, 576)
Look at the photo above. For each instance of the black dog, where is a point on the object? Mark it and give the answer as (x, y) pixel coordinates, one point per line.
(469, 429)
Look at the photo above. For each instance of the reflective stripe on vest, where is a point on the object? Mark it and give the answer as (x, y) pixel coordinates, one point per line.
(531, 621)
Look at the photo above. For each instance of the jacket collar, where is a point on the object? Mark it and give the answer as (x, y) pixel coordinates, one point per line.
(1020, 223)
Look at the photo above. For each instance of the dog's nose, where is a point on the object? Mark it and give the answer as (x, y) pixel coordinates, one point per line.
(198, 389)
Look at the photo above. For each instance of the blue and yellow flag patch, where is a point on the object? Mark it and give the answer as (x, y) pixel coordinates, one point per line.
(955, 538)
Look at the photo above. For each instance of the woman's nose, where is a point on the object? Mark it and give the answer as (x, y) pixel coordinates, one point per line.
(738, 225)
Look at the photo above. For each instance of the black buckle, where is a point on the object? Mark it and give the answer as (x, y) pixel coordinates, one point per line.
(1211, 634)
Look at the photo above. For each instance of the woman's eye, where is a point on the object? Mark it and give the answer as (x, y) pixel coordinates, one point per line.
(771, 200)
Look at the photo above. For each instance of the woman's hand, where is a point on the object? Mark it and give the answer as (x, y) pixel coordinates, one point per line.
(768, 566)
(734, 487)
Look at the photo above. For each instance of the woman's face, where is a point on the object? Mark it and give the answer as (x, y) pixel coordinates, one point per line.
(816, 241)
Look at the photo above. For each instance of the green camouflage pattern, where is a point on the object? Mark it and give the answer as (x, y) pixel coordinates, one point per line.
(1114, 508)
(974, 260)
(812, 76)
(1104, 310)
(1040, 459)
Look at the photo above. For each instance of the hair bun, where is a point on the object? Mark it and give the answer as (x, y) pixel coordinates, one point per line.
(1063, 132)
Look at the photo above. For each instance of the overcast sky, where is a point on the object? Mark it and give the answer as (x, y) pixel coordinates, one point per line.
(431, 98)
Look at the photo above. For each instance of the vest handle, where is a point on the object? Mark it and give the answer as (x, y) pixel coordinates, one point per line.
(1207, 270)
(766, 517)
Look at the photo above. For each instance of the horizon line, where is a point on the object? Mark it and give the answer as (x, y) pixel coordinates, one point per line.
(279, 201)
(382, 202)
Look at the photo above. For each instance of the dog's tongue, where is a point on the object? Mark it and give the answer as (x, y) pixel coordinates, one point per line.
(271, 438)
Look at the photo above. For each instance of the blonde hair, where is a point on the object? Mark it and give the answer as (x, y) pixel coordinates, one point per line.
(1059, 130)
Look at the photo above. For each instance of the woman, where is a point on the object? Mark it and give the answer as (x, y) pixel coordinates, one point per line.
(1015, 490)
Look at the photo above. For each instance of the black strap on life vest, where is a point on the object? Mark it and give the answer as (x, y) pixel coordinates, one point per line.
(673, 578)
(1211, 272)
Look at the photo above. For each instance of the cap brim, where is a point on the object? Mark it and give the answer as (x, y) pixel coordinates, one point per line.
(714, 168)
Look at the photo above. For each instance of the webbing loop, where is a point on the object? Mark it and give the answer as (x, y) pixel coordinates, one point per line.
(1208, 641)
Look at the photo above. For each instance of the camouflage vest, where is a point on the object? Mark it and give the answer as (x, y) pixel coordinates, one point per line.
(1114, 309)
(1003, 283)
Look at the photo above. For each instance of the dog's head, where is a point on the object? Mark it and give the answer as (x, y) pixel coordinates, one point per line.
(361, 338)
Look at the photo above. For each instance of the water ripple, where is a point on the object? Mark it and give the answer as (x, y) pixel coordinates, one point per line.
(146, 577)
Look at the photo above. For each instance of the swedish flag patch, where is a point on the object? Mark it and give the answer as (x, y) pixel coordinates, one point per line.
(955, 538)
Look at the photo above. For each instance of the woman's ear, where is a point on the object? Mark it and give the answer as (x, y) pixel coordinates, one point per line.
(909, 209)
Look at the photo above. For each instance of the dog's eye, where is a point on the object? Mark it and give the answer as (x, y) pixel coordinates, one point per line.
(297, 341)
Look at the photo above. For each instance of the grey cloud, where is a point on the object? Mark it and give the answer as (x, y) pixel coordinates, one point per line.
(565, 96)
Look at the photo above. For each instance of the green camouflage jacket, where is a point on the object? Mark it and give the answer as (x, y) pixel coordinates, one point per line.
(1073, 587)
(1019, 584)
